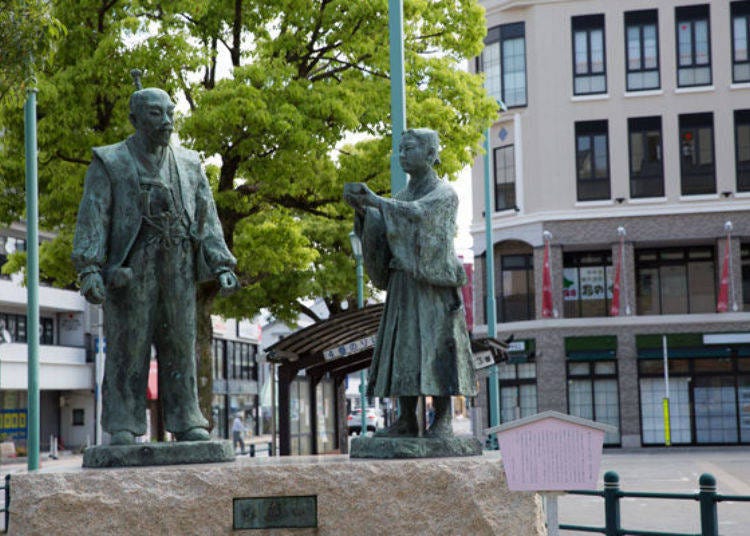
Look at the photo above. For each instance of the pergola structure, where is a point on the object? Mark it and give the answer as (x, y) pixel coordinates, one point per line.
(333, 348)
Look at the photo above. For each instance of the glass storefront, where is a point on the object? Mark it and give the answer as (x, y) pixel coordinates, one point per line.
(326, 416)
(518, 397)
(593, 394)
(709, 400)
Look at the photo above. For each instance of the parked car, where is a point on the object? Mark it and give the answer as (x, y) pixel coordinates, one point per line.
(374, 420)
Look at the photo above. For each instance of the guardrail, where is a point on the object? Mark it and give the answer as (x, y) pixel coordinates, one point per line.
(706, 497)
(254, 448)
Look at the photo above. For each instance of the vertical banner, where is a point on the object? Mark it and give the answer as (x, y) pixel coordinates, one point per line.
(614, 309)
(722, 303)
(468, 295)
(546, 279)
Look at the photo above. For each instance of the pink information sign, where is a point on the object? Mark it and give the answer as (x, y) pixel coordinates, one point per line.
(551, 451)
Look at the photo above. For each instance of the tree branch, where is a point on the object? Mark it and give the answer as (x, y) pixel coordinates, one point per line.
(305, 310)
(71, 159)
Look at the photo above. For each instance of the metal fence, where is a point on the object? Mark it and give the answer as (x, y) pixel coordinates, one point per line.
(706, 497)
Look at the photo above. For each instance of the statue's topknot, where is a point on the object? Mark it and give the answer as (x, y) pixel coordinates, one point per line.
(136, 74)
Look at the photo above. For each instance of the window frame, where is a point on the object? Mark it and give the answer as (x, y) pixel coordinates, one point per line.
(591, 377)
(526, 266)
(641, 19)
(588, 24)
(662, 259)
(509, 185)
(741, 118)
(497, 36)
(591, 129)
(690, 15)
(642, 126)
(740, 9)
(575, 260)
(694, 122)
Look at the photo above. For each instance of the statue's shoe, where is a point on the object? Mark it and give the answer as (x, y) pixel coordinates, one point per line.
(193, 434)
(123, 437)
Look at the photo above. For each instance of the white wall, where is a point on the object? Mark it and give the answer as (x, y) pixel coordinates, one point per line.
(60, 368)
(75, 436)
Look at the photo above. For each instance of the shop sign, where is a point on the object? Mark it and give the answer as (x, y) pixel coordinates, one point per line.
(13, 422)
(349, 348)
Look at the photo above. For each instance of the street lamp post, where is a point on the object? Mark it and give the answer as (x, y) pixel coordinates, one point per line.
(357, 252)
(492, 392)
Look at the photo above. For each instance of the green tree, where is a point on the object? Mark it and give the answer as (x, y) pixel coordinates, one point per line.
(302, 76)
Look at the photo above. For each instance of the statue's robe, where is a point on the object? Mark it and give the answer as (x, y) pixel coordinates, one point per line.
(423, 345)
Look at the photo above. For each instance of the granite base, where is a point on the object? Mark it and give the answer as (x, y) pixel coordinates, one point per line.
(172, 453)
(456, 496)
(414, 447)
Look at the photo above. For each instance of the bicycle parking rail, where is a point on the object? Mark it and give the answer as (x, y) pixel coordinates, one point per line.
(707, 498)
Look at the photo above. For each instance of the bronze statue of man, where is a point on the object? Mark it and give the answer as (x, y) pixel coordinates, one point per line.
(147, 232)
(423, 345)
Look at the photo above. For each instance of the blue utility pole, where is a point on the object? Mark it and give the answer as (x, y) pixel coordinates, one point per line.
(32, 279)
(398, 95)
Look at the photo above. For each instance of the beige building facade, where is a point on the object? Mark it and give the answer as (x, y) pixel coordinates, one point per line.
(627, 130)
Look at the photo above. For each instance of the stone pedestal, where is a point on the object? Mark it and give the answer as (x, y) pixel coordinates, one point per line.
(171, 453)
(446, 496)
(414, 447)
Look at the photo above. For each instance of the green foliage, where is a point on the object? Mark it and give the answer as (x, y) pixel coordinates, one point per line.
(28, 35)
(303, 76)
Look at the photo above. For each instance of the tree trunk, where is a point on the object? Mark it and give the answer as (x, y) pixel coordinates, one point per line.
(204, 334)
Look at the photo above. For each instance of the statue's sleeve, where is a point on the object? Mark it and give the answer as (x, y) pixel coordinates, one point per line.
(377, 256)
(215, 251)
(92, 226)
(420, 235)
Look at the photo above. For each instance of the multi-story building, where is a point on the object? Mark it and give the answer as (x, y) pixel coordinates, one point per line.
(630, 116)
(66, 375)
(237, 374)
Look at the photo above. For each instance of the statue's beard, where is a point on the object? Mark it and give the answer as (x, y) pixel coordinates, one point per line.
(160, 137)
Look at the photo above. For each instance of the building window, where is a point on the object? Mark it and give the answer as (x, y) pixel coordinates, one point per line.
(503, 62)
(740, 32)
(219, 369)
(589, 57)
(505, 178)
(742, 149)
(697, 169)
(516, 301)
(745, 249)
(593, 394)
(646, 168)
(642, 50)
(12, 328)
(675, 281)
(693, 46)
(518, 393)
(587, 284)
(592, 160)
(78, 417)
(46, 331)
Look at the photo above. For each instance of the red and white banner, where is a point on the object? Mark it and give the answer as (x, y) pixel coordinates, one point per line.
(722, 304)
(546, 280)
(468, 295)
(614, 308)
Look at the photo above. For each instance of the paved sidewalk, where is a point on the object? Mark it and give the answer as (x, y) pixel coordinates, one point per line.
(674, 470)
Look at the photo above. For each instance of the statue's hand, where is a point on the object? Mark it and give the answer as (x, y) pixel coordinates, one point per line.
(359, 196)
(92, 288)
(228, 282)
